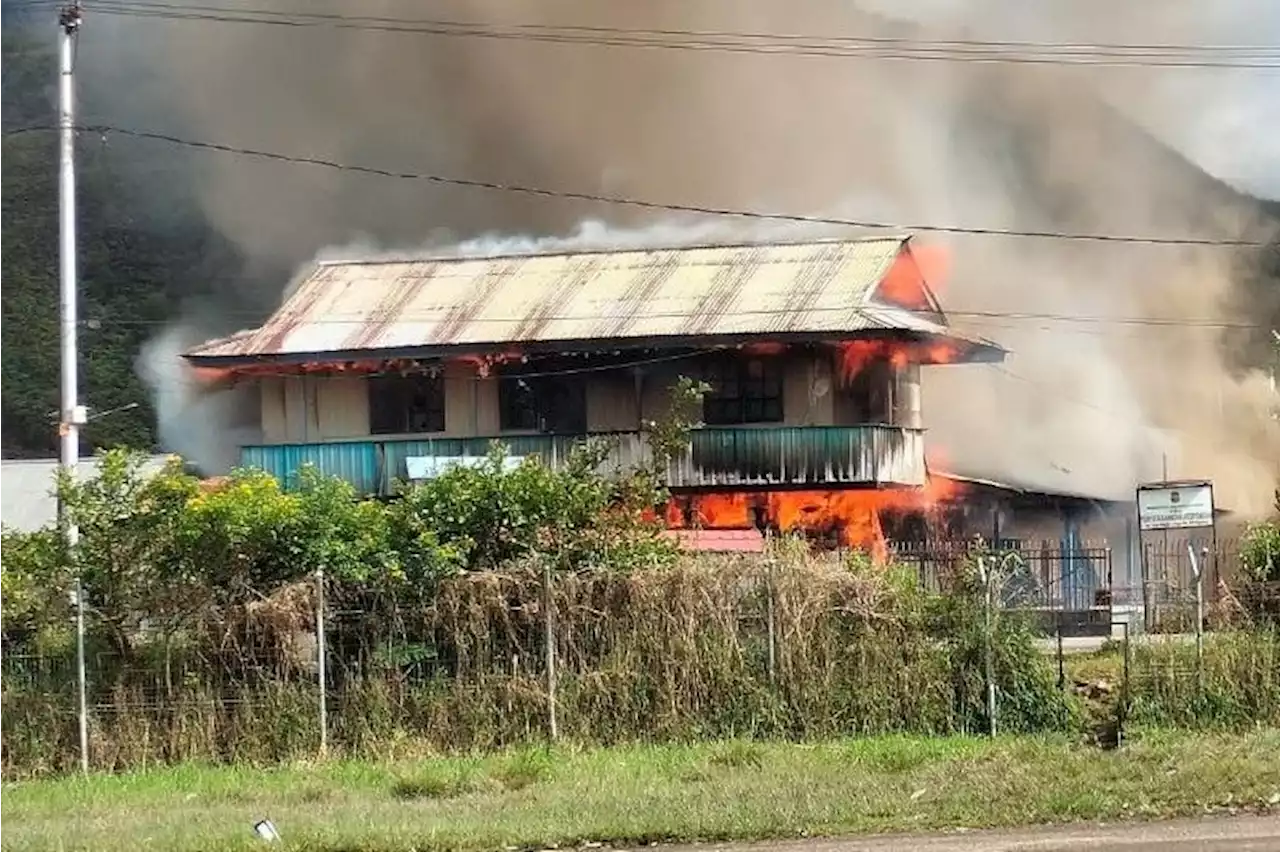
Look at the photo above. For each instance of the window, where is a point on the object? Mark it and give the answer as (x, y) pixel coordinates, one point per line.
(406, 404)
(743, 391)
(553, 404)
(518, 409)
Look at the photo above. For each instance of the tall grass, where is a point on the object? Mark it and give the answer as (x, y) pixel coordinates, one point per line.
(1235, 685)
(673, 654)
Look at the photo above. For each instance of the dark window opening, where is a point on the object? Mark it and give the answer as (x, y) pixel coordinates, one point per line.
(867, 397)
(742, 391)
(406, 404)
(552, 404)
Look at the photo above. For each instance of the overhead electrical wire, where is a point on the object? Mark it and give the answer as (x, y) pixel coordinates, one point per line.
(862, 47)
(31, 128)
(675, 207)
(331, 318)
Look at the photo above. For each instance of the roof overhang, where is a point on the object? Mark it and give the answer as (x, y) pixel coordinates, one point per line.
(1061, 494)
(965, 349)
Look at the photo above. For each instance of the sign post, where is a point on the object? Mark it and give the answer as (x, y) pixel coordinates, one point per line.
(1183, 506)
(1175, 506)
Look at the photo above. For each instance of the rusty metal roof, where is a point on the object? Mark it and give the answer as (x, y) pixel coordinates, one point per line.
(634, 297)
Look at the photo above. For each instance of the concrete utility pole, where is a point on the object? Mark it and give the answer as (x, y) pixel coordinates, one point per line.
(73, 414)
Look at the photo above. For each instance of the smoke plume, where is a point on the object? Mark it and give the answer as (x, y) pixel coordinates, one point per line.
(1091, 400)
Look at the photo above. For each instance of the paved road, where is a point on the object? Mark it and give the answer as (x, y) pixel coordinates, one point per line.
(1235, 834)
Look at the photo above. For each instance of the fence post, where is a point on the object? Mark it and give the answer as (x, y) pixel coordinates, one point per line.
(1197, 576)
(987, 578)
(550, 649)
(771, 623)
(322, 664)
(82, 679)
(1122, 714)
(1062, 663)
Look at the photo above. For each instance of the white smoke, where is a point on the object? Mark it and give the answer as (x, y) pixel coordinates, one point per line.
(205, 428)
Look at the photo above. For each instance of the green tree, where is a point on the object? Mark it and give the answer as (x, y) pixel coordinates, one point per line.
(131, 558)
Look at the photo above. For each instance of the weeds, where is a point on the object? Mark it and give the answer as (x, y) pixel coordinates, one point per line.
(437, 780)
(1236, 685)
(524, 768)
(738, 755)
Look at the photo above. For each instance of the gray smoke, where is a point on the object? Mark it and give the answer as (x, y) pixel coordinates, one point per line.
(1084, 405)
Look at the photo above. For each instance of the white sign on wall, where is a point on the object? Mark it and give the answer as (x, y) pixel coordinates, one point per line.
(429, 467)
(1175, 506)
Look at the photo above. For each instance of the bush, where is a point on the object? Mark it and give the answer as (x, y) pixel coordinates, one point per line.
(1260, 552)
(485, 517)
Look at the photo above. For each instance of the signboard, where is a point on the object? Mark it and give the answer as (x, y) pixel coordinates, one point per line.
(429, 467)
(1175, 506)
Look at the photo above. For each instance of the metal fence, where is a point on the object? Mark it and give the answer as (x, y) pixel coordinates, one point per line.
(719, 648)
(291, 674)
(1066, 589)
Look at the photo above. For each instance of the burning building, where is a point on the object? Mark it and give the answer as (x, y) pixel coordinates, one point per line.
(378, 371)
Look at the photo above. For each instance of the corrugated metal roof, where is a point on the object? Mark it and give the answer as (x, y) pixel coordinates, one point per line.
(28, 502)
(735, 291)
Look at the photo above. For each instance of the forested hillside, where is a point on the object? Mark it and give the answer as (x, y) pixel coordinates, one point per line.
(137, 264)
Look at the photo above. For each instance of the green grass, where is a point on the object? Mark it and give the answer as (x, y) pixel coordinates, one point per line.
(539, 797)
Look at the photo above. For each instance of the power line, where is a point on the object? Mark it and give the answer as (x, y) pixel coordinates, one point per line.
(486, 28)
(357, 318)
(766, 37)
(1256, 57)
(1041, 390)
(1063, 46)
(627, 201)
(31, 128)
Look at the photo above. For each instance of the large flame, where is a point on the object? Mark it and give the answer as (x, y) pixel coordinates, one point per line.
(857, 355)
(934, 262)
(850, 516)
(913, 276)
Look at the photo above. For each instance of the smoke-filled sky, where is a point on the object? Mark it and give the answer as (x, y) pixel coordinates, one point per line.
(1085, 405)
(1224, 120)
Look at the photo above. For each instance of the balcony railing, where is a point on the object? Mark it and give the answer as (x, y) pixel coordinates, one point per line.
(807, 456)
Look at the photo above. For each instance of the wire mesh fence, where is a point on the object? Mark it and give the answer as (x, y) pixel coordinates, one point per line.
(743, 646)
(716, 648)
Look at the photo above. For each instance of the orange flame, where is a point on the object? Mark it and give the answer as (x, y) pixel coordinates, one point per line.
(934, 262)
(912, 276)
(721, 511)
(857, 355)
(852, 516)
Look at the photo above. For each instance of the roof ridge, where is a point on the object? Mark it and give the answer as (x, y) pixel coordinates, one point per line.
(511, 255)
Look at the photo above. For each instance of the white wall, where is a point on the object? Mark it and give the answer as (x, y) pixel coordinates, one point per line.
(301, 409)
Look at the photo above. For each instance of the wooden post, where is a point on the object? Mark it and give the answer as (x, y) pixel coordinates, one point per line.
(550, 649)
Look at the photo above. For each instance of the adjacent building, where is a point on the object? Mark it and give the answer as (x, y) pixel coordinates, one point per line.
(29, 502)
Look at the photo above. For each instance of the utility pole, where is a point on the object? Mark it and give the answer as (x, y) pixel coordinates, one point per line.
(73, 414)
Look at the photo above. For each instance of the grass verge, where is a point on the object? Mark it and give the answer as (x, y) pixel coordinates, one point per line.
(735, 790)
